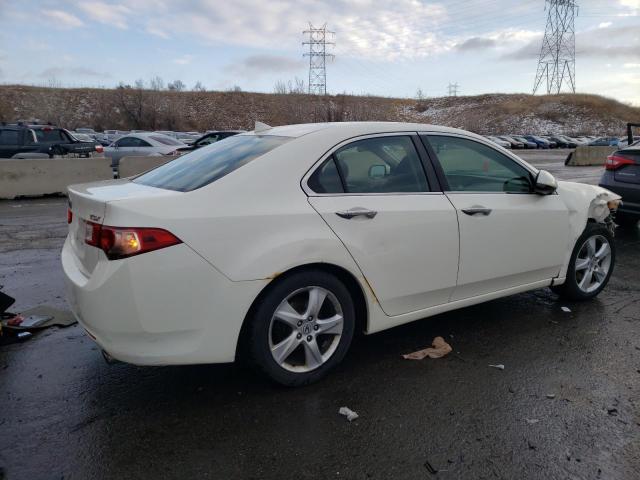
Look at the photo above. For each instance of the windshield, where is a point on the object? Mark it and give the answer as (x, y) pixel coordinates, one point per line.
(205, 165)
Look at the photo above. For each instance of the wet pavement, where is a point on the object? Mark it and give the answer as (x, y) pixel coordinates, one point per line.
(565, 406)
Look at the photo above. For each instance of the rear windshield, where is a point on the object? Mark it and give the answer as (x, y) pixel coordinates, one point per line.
(208, 164)
(166, 140)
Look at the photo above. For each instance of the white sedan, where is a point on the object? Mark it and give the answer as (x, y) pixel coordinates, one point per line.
(275, 245)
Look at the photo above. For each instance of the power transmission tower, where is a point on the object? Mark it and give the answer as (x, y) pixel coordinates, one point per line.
(318, 58)
(453, 89)
(557, 62)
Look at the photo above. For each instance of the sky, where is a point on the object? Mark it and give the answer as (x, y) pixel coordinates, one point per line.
(382, 47)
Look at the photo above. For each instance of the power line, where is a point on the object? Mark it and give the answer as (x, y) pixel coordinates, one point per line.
(557, 61)
(453, 89)
(318, 58)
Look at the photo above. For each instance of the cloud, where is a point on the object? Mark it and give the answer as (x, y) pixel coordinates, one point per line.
(61, 19)
(633, 4)
(263, 64)
(612, 42)
(183, 60)
(110, 14)
(72, 71)
(605, 24)
(475, 43)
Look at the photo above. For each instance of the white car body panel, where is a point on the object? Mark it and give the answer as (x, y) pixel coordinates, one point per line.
(187, 303)
(411, 237)
(523, 240)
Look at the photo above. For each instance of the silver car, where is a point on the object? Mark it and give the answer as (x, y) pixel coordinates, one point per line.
(141, 144)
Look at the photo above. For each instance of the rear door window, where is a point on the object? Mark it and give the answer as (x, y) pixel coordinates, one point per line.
(207, 164)
(9, 137)
(50, 135)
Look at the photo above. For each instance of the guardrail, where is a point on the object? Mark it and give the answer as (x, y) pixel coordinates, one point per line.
(585, 155)
(130, 166)
(45, 176)
(34, 177)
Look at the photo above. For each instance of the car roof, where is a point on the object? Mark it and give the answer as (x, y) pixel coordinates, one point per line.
(352, 129)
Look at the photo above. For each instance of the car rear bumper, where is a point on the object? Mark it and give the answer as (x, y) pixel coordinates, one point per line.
(629, 192)
(160, 308)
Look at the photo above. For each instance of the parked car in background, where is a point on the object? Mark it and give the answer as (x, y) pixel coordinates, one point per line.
(605, 142)
(209, 138)
(539, 141)
(142, 144)
(514, 143)
(563, 142)
(113, 135)
(42, 141)
(530, 144)
(186, 138)
(622, 176)
(274, 246)
(624, 142)
(88, 131)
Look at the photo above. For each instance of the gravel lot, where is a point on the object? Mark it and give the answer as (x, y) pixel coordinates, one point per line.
(565, 406)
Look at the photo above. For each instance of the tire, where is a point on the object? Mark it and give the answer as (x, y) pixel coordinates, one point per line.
(302, 332)
(576, 287)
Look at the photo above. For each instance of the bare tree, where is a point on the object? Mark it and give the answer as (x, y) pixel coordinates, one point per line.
(176, 86)
(199, 87)
(156, 83)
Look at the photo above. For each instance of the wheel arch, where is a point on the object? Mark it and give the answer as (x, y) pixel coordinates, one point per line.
(345, 276)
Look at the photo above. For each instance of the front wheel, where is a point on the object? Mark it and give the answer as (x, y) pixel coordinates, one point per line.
(591, 264)
(301, 328)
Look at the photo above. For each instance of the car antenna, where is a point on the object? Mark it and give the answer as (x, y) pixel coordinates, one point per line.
(261, 127)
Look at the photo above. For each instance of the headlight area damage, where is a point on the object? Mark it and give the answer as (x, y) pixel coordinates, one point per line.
(586, 202)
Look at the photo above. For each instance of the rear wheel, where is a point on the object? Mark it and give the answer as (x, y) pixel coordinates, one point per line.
(302, 328)
(591, 264)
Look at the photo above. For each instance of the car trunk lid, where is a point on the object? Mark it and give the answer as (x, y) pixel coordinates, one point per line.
(88, 203)
(629, 172)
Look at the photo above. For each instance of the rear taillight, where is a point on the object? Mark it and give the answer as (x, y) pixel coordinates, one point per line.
(616, 161)
(99, 148)
(123, 242)
(69, 215)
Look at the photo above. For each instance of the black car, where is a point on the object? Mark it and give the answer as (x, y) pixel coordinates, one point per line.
(563, 142)
(209, 138)
(41, 141)
(622, 176)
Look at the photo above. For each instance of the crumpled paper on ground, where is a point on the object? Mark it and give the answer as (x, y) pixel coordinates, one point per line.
(439, 348)
(347, 412)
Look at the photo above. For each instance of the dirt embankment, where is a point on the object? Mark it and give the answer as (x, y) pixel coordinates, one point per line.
(133, 108)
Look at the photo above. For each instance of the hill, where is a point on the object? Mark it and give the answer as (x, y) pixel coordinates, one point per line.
(134, 108)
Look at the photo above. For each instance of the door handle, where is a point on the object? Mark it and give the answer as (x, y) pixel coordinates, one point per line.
(357, 212)
(477, 210)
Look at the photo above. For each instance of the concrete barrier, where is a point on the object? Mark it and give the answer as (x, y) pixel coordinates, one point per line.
(34, 177)
(589, 156)
(130, 166)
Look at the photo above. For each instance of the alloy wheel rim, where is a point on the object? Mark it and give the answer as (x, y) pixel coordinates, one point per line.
(305, 329)
(593, 263)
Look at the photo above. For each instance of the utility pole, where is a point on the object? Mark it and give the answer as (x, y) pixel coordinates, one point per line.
(317, 54)
(557, 61)
(453, 89)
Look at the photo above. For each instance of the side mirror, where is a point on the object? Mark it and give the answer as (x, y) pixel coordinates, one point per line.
(377, 171)
(545, 183)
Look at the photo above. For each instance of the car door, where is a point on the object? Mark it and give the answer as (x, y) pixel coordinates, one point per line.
(123, 147)
(401, 231)
(509, 236)
(9, 142)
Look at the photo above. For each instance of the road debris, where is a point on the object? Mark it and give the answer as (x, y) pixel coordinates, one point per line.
(551, 396)
(439, 348)
(532, 421)
(347, 412)
(565, 309)
(498, 366)
(430, 468)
